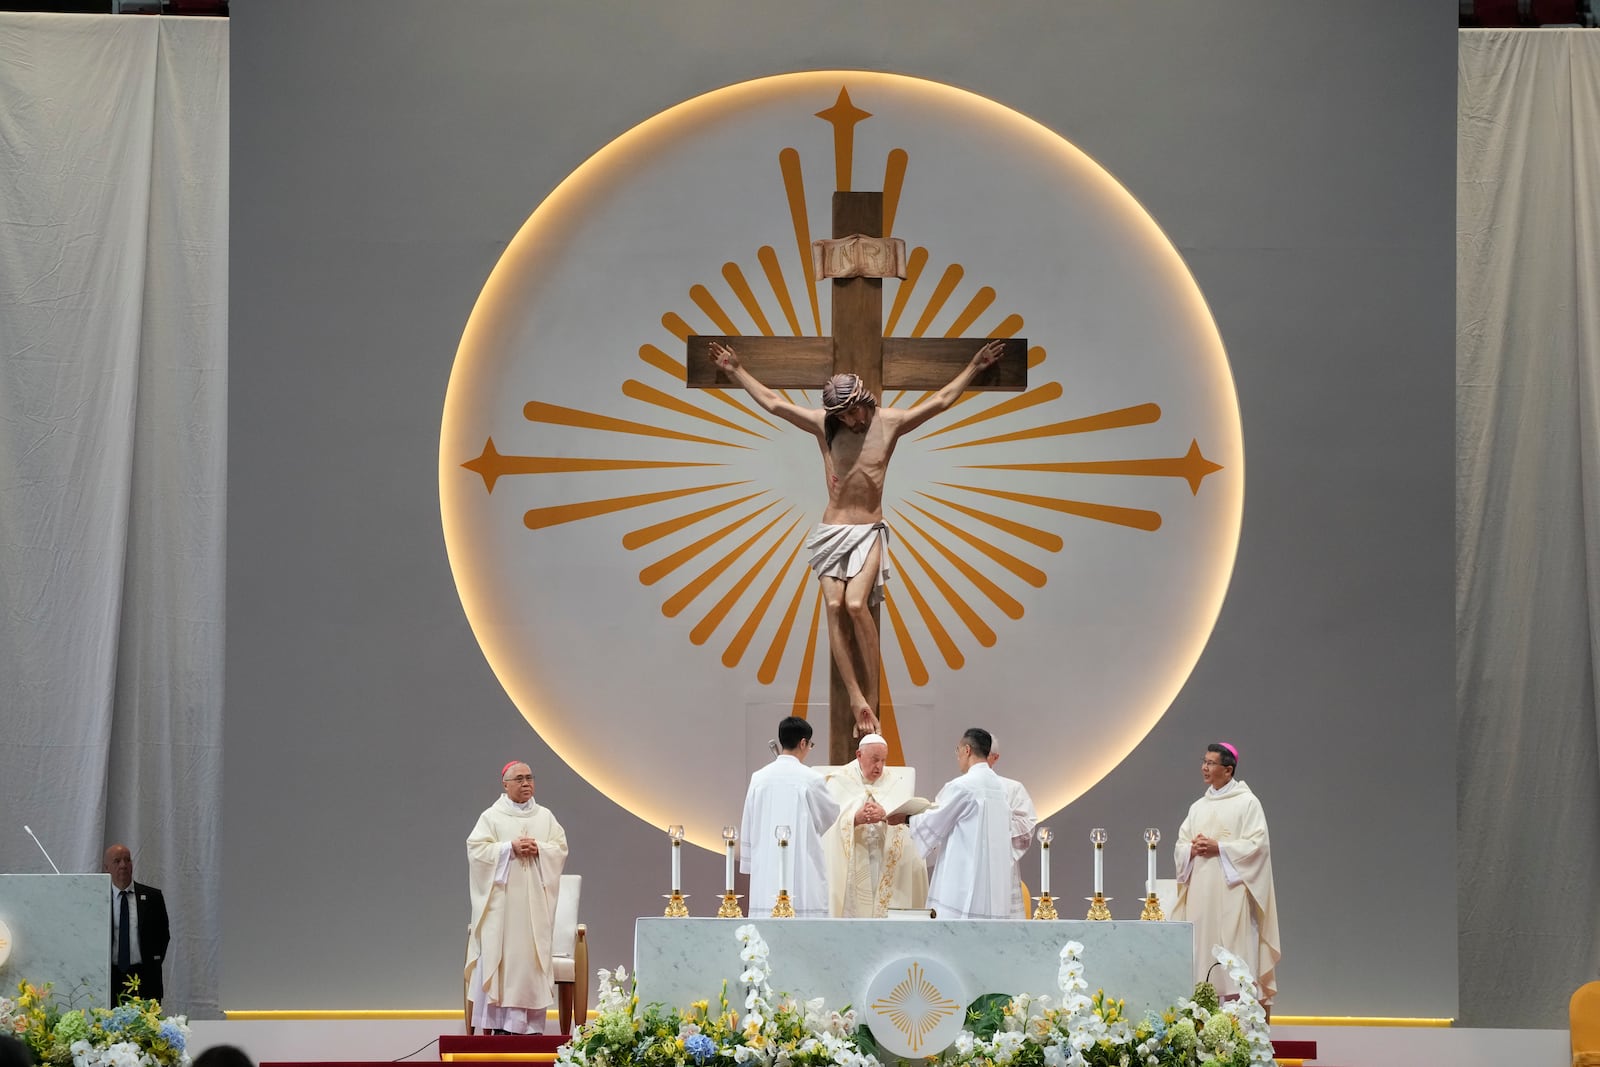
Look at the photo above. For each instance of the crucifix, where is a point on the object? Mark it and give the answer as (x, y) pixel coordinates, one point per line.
(857, 346)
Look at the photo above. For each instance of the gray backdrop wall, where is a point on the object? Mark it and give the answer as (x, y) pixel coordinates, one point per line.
(384, 151)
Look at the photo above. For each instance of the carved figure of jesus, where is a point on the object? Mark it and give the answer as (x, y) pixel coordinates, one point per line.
(849, 553)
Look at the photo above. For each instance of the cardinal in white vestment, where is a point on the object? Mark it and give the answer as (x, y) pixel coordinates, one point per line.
(1225, 877)
(872, 866)
(1024, 817)
(514, 859)
(787, 793)
(969, 828)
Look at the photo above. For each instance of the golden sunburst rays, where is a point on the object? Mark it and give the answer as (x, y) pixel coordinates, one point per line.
(692, 473)
(915, 1007)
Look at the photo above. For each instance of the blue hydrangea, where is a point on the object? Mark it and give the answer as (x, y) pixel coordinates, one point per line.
(172, 1034)
(122, 1017)
(701, 1047)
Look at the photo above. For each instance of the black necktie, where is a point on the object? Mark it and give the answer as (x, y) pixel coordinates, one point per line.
(124, 953)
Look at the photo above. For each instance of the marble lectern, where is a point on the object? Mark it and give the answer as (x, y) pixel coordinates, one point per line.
(60, 931)
(1150, 964)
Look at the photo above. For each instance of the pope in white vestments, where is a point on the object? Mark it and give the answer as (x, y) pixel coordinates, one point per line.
(969, 828)
(1024, 817)
(1224, 865)
(787, 793)
(514, 858)
(872, 866)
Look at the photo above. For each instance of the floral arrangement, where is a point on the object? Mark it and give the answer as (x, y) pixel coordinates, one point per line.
(772, 1030)
(133, 1034)
(1027, 1030)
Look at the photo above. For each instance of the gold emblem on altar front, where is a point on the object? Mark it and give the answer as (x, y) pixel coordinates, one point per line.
(917, 1016)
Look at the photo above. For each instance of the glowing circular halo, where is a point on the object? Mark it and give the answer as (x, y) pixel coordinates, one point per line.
(627, 549)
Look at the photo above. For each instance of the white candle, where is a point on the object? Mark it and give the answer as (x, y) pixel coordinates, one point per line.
(1044, 868)
(677, 867)
(730, 866)
(783, 833)
(1150, 873)
(1099, 872)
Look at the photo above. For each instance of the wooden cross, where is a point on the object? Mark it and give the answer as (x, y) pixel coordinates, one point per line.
(856, 347)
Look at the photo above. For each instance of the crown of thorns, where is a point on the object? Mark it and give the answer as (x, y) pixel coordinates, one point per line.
(845, 391)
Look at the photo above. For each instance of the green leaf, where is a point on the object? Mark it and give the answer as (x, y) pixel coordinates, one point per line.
(869, 1044)
(985, 1014)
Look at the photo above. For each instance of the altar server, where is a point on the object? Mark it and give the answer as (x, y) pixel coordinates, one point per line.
(969, 828)
(872, 866)
(1225, 876)
(787, 793)
(1024, 817)
(514, 861)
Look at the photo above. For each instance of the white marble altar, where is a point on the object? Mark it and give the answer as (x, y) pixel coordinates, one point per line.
(60, 932)
(679, 961)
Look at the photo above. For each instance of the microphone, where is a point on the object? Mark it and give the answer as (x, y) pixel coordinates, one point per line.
(47, 858)
(774, 746)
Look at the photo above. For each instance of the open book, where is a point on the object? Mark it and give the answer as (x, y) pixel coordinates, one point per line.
(913, 806)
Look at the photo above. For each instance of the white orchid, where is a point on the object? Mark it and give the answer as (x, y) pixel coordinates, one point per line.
(124, 1054)
(1007, 1042)
(612, 997)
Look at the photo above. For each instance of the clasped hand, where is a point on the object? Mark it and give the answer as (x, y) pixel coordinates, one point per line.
(870, 812)
(525, 848)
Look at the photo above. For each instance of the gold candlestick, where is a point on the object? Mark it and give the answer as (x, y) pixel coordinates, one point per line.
(1152, 907)
(676, 908)
(1046, 908)
(782, 908)
(1097, 903)
(730, 899)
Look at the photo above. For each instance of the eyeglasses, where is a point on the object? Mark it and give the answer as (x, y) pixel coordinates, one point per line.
(1211, 763)
(519, 778)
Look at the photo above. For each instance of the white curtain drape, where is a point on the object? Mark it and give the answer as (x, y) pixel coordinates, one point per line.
(113, 416)
(1528, 522)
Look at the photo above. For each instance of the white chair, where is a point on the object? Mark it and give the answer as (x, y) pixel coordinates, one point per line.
(569, 950)
(1167, 895)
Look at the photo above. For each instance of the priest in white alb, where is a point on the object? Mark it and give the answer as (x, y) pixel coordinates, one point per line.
(1024, 817)
(514, 860)
(968, 829)
(872, 866)
(1224, 865)
(787, 793)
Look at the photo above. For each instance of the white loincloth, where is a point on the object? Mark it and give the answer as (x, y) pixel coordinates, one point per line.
(840, 551)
